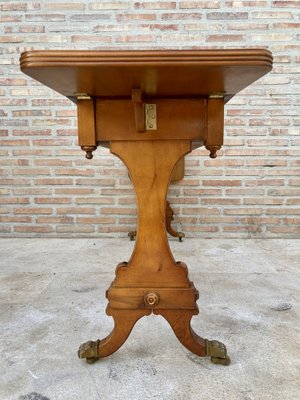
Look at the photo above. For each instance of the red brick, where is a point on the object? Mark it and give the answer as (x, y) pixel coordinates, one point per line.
(96, 220)
(14, 219)
(118, 210)
(75, 210)
(14, 200)
(10, 18)
(155, 5)
(294, 182)
(31, 29)
(200, 228)
(286, 3)
(281, 229)
(91, 38)
(135, 17)
(13, 6)
(201, 210)
(75, 229)
(132, 221)
(53, 162)
(74, 191)
(14, 181)
(220, 201)
(29, 132)
(204, 4)
(248, 229)
(244, 192)
(13, 102)
(246, 3)
(225, 38)
(5, 229)
(109, 5)
(243, 211)
(31, 152)
(227, 15)
(94, 200)
(293, 202)
(11, 39)
(17, 142)
(264, 201)
(284, 192)
(54, 181)
(52, 200)
(113, 229)
(27, 191)
(33, 229)
(31, 171)
(219, 182)
(13, 82)
(265, 182)
(33, 210)
(95, 182)
(45, 17)
(50, 142)
(161, 27)
(283, 211)
(54, 220)
(50, 102)
(201, 192)
(266, 162)
(134, 38)
(128, 201)
(185, 200)
(65, 6)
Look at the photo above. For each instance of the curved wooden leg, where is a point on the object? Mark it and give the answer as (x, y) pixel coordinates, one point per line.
(169, 219)
(180, 321)
(124, 322)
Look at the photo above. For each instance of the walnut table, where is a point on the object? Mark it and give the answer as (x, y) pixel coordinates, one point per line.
(150, 108)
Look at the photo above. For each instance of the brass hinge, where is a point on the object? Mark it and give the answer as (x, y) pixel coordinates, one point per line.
(82, 96)
(150, 115)
(217, 95)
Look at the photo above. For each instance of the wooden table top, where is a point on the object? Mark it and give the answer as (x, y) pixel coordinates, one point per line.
(159, 73)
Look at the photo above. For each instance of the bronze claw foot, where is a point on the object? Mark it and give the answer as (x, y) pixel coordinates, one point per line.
(217, 351)
(89, 350)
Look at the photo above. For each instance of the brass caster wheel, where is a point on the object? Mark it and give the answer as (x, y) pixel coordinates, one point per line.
(89, 351)
(217, 351)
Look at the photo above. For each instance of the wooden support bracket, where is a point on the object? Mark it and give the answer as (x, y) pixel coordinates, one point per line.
(86, 125)
(214, 124)
(139, 109)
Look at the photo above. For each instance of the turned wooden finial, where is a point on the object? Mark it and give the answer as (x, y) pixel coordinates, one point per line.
(89, 151)
(213, 151)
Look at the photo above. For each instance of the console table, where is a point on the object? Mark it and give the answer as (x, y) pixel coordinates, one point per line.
(150, 108)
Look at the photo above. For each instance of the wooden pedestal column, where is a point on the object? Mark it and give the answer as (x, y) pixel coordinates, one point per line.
(152, 281)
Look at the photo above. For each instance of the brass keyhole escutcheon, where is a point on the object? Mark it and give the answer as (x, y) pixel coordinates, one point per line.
(151, 299)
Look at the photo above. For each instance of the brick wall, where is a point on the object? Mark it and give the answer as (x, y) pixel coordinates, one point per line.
(48, 188)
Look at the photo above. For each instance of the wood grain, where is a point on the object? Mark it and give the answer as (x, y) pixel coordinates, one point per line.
(162, 73)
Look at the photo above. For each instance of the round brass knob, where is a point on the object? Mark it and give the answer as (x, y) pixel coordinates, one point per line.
(151, 299)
